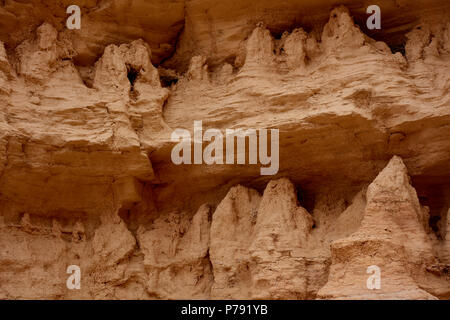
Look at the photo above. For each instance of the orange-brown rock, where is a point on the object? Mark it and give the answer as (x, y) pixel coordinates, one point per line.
(394, 236)
(86, 176)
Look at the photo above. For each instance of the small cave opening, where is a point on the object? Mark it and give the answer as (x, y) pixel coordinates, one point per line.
(400, 47)
(434, 224)
(305, 199)
(277, 35)
(435, 195)
(167, 77)
(167, 81)
(132, 75)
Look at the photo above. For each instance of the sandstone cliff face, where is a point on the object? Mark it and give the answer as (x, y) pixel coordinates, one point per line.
(86, 176)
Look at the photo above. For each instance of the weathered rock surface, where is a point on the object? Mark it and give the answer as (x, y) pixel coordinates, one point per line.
(86, 176)
(258, 246)
(394, 236)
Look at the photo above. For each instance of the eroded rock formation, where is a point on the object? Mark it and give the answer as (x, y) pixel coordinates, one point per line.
(86, 176)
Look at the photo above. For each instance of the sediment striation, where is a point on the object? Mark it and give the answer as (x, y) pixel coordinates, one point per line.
(86, 176)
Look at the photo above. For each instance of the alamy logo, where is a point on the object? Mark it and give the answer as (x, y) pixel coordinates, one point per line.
(374, 21)
(74, 280)
(374, 281)
(74, 20)
(213, 153)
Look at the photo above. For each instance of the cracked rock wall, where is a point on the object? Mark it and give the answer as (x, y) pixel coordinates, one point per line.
(86, 176)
